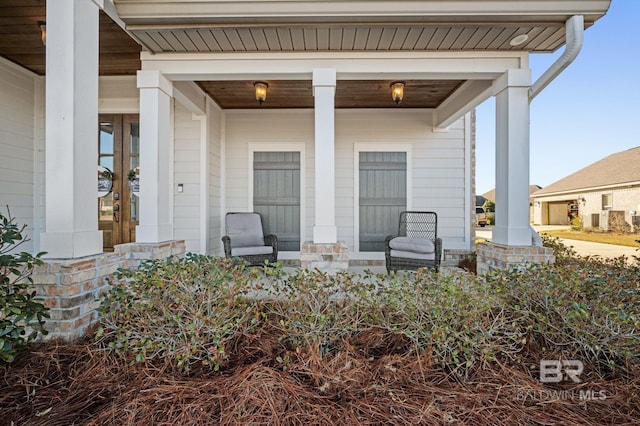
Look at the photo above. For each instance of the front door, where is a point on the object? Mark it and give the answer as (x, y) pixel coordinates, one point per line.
(118, 152)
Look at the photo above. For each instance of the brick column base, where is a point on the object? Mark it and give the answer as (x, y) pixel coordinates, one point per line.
(498, 256)
(330, 258)
(71, 288)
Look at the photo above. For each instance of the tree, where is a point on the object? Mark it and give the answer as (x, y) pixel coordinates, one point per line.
(489, 206)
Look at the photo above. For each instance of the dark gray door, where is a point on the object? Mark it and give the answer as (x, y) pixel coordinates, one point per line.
(276, 195)
(383, 195)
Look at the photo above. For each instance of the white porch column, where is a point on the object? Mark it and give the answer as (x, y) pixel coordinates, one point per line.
(71, 147)
(155, 157)
(512, 159)
(324, 89)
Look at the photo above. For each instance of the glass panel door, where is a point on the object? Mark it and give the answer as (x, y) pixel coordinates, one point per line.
(118, 158)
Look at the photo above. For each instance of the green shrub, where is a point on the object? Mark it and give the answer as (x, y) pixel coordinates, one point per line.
(489, 206)
(491, 219)
(193, 310)
(453, 317)
(576, 223)
(185, 310)
(21, 316)
(198, 310)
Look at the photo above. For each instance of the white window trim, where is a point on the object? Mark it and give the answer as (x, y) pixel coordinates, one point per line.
(381, 146)
(266, 146)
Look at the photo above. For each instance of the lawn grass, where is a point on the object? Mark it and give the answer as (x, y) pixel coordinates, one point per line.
(596, 237)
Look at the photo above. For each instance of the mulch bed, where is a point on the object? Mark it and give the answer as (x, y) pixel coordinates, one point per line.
(373, 379)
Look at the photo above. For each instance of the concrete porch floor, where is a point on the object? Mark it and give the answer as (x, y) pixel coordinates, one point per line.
(376, 269)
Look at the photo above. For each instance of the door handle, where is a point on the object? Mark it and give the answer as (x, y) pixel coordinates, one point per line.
(116, 209)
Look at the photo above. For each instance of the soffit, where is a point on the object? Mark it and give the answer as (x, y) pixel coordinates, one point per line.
(359, 38)
(306, 25)
(321, 25)
(20, 40)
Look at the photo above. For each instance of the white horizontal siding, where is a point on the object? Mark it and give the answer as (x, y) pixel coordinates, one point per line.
(215, 231)
(244, 128)
(437, 161)
(18, 122)
(186, 211)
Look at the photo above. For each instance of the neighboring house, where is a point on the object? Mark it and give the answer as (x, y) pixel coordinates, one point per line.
(328, 117)
(491, 195)
(605, 194)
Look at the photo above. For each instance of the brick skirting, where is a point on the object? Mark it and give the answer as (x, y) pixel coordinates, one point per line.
(498, 256)
(71, 288)
(325, 257)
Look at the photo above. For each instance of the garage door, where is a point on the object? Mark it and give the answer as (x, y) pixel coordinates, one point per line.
(558, 213)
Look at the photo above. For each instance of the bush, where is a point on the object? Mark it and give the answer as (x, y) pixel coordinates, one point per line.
(21, 316)
(576, 223)
(185, 310)
(203, 311)
(194, 311)
(489, 206)
(491, 219)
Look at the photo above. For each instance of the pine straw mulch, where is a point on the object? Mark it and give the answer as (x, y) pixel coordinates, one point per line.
(372, 379)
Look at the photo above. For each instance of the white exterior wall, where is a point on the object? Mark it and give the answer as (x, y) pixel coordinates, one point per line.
(186, 209)
(438, 180)
(245, 128)
(21, 149)
(216, 132)
(437, 159)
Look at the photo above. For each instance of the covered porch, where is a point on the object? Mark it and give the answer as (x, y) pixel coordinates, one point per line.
(322, 68)
(206, 144)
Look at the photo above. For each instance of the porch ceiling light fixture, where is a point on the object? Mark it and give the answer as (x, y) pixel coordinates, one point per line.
(43, 31)
(519, 39)
(261, 91)
(397, 91)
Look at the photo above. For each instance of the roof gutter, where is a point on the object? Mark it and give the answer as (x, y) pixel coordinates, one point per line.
(575, 36)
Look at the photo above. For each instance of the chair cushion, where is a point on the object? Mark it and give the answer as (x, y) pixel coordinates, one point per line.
(413, 255)
(251, 251)
(416, 245)
(245, 230)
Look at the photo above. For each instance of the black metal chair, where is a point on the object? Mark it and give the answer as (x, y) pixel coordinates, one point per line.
(417, 244)
(245, 239)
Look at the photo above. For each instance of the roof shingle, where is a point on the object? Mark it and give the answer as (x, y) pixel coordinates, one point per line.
(616, 169)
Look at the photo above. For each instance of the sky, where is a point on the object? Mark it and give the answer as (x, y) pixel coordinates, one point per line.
(591, 110)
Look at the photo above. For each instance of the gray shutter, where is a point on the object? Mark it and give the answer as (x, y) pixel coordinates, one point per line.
(383, 195)
(276, 196)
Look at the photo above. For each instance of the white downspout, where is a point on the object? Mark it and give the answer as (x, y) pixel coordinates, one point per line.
(575, 35)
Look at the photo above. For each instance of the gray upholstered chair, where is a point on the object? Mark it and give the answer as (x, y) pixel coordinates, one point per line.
(417, 244)
(245, 239)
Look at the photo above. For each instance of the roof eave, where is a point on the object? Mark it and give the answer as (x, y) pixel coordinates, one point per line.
(537, 194)
(447, 11)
